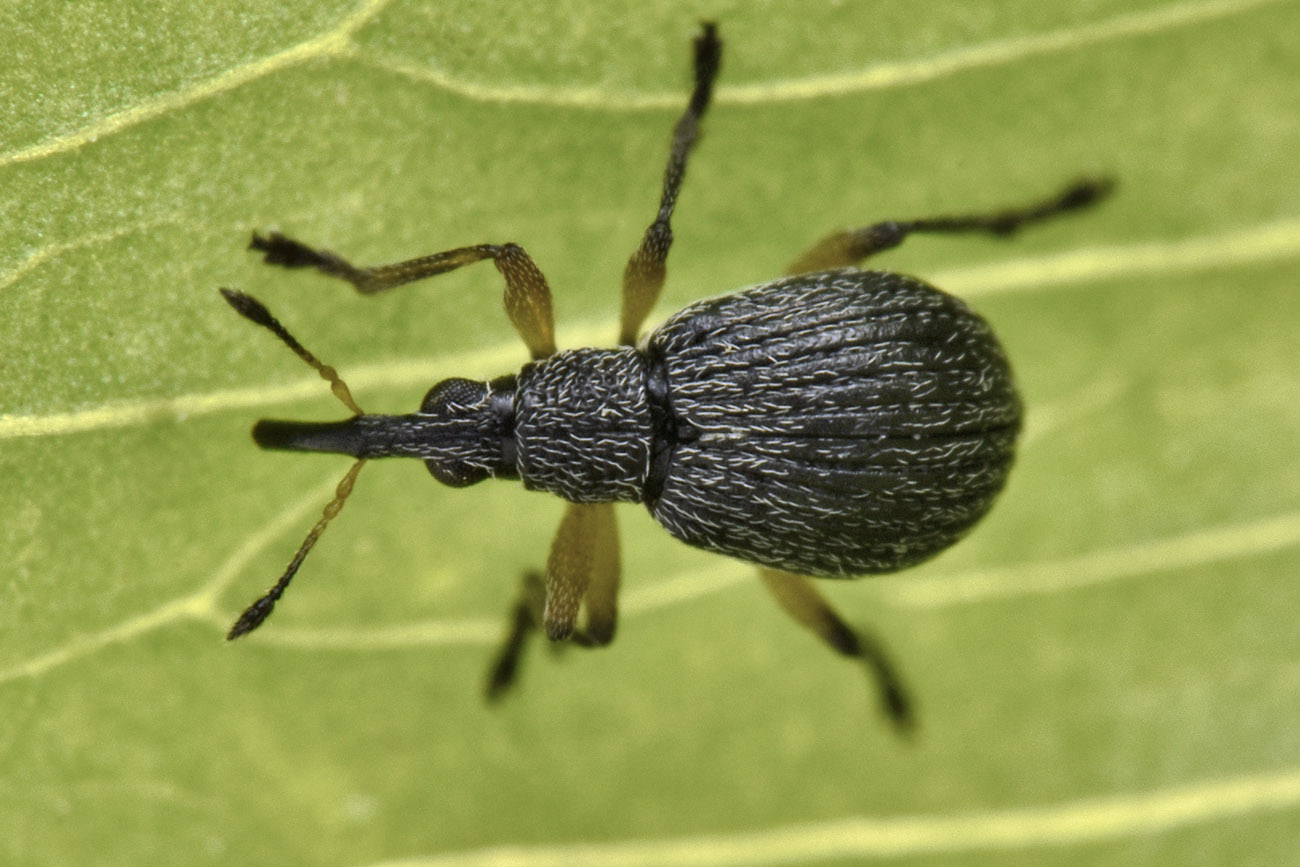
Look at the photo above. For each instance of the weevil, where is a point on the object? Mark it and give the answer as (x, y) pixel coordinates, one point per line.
(832, 423)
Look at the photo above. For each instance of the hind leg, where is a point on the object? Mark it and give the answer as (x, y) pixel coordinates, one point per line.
(842, 249)
(800, 599)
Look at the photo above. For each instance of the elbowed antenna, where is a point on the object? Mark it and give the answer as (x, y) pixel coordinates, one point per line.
(254, 311)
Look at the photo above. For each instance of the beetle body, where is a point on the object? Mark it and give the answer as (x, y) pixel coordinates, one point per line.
(834, 422)
(830, 424)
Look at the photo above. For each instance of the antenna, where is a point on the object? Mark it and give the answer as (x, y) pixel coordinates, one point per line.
(253, 310)
(261, 609)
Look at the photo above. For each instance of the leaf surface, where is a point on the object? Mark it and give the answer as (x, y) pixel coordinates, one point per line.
(1107, 670)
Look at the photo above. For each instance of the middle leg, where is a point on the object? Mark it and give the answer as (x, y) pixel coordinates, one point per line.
(583, 566)
(643, 278)
(582, 569)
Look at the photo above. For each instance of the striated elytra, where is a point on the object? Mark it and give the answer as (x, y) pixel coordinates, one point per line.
(834, 422)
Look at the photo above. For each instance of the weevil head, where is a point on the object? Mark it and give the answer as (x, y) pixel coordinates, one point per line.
(463, 431)
(474, 427)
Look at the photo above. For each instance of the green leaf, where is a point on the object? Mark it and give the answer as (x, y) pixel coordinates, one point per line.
(1106, 670)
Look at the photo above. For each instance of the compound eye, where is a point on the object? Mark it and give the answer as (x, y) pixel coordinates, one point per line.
(453, 394)
(456, 474)
(460, 403)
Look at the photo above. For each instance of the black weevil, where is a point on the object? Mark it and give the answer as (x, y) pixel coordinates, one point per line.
(832, 423)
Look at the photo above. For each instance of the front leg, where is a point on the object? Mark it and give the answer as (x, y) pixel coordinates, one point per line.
(527, 298)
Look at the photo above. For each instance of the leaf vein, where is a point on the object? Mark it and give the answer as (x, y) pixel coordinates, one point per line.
(879, 76)
(333, 42)
(1197, 548)
(337, 43)
(1110, 817)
